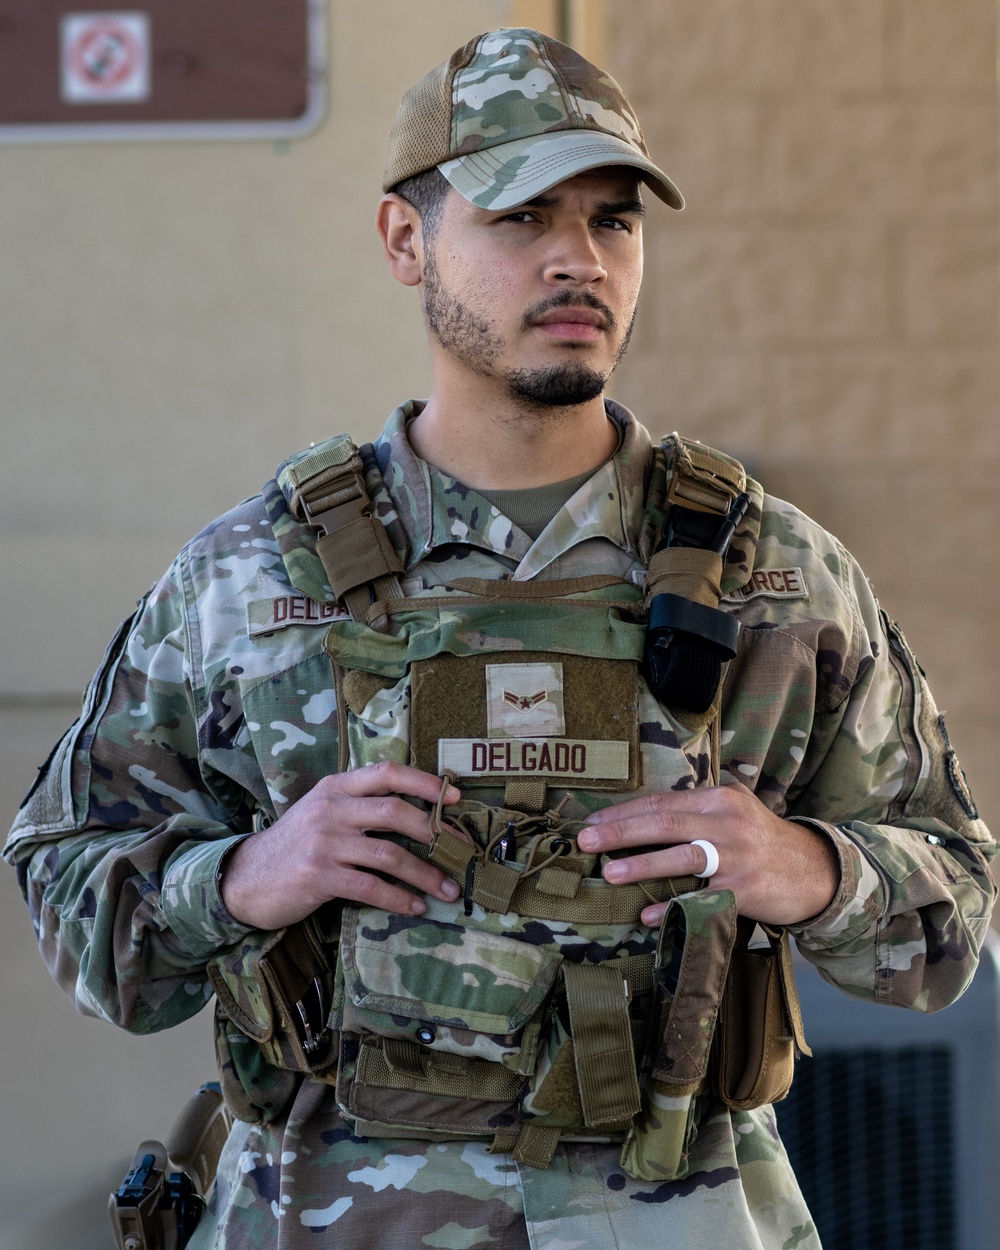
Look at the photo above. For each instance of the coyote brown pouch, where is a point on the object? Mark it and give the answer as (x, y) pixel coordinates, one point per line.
(759, 1033)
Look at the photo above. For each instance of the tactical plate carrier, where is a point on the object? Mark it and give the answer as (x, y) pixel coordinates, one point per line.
(537, 1007)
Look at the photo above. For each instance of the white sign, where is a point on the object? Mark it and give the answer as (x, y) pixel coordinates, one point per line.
(105, 58)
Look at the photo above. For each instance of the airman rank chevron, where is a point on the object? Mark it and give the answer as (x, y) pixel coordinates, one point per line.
(525, 700)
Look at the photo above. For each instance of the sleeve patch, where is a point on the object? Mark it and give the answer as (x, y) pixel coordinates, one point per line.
(957, 777)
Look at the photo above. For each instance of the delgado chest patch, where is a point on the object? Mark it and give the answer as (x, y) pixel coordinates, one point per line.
(567, 719)
(566, 760)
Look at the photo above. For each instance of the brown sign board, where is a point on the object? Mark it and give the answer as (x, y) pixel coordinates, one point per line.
(160, 69)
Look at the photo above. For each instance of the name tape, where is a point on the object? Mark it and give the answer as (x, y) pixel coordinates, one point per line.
(582, 759)
(772, 584)
(264, 616)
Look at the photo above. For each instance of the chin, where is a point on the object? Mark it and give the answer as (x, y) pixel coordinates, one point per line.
(566, 385)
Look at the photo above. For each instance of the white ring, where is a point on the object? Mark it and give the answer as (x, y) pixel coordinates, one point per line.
(711, 858)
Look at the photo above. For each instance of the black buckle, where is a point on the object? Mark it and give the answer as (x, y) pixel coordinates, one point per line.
(687, 642)
(331, 510)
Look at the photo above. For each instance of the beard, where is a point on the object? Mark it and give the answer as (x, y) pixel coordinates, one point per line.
(556, 386)
(474, 341)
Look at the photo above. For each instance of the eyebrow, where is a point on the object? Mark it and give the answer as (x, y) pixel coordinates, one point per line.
(631, 205)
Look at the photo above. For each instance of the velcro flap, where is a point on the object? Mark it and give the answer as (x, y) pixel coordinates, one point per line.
(242, 992)
(597, 995)
(451, 853)
(494, 886)
(393, 1063)
(559, 882)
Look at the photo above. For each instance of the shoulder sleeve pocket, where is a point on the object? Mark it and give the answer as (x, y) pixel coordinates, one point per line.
(58, 800)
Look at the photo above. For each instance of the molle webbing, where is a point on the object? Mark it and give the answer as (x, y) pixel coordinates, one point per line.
(353, 546)
(603, 1050)
(557, 892)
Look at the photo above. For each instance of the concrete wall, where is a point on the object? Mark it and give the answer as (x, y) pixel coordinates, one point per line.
(176, 318)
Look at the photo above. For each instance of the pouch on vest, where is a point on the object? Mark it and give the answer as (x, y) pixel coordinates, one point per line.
(760, 1033)
(275, 997)
(728, 1024)
(439, 1022)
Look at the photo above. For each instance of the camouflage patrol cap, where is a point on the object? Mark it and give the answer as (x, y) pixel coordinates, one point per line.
(512, 113)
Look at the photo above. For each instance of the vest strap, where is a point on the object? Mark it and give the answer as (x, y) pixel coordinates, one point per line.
(689, 637)
(689, 572)
(331, 497)
(535, 1145)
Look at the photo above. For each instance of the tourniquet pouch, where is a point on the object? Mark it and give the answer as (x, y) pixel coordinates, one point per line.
(759, 1033)
(728, 1023)
(693, 952)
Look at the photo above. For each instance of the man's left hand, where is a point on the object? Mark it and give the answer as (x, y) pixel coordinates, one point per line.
(781, 873)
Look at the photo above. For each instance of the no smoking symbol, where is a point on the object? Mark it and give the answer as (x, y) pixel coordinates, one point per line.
(105, 57)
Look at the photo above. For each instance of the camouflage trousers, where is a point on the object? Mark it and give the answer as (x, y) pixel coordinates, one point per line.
(308, 1182)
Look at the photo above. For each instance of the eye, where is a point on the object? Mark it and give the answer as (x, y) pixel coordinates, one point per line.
(522, 216)
(614, 223)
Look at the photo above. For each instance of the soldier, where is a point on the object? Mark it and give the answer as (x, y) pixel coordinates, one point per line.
(448, 896)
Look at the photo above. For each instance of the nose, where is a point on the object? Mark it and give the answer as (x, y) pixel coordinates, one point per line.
(574, 258)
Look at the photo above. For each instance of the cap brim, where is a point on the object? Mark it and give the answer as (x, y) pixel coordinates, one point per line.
(508, 174)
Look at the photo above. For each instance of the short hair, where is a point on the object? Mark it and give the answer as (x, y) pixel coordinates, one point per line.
(427, 193)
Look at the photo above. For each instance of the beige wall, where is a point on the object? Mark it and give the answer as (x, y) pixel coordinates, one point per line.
(827, 305)
(176, 318)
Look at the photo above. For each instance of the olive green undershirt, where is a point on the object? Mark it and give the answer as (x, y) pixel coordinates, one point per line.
(533, 507)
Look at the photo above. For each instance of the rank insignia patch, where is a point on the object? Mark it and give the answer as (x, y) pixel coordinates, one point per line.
(525, 700)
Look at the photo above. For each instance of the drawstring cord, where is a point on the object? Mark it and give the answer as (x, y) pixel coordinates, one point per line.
(561, 846)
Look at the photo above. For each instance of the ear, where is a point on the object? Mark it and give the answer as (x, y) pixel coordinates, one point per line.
(398, 224)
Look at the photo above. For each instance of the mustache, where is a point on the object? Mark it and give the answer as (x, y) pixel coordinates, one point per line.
(569, 299)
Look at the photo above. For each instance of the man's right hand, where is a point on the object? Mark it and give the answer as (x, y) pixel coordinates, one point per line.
(319, 850)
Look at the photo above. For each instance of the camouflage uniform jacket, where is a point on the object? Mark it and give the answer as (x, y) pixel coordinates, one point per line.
(214, 709)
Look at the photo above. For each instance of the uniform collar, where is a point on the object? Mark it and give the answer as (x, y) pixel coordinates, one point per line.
(436, 509)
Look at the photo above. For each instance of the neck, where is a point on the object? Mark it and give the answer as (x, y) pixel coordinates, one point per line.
(488, 441)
